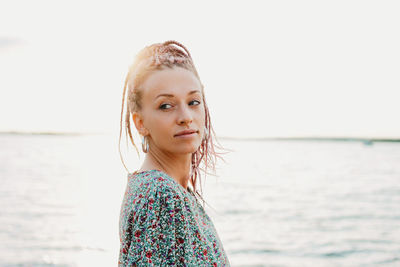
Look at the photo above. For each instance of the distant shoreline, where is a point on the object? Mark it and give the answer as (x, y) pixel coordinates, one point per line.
(311, 138)
(45, 133)
(304, 138)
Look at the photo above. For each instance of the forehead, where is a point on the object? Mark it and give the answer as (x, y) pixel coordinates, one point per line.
(177, 81)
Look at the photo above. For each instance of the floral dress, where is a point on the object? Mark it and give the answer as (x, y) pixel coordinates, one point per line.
(163, 224)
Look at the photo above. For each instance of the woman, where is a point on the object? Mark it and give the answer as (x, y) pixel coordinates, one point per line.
(162, 222)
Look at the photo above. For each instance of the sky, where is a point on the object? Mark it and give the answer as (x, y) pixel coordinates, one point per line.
(270, 68)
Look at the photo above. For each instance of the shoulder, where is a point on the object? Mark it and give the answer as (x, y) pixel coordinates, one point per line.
(153, 185)
(152, 179)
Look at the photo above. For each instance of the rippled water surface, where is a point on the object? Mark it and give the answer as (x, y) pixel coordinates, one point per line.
(274, 203)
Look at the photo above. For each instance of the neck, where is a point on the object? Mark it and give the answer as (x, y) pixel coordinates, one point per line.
(175, 165)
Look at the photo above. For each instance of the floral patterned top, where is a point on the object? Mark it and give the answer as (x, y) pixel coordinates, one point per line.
(163, 224)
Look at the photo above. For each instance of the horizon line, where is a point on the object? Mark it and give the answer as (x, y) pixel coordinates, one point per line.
(232, 138)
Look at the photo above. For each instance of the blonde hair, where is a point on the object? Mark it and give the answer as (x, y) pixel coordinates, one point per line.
(157, 57)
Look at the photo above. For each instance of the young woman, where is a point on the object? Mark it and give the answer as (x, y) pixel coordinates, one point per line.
(162, 222)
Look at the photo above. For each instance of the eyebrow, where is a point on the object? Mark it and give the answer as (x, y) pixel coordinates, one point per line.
(169, 95)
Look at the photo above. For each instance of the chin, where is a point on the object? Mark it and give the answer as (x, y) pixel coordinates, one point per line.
(188, 149)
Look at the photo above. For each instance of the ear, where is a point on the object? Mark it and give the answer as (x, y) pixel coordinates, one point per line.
(138, 120)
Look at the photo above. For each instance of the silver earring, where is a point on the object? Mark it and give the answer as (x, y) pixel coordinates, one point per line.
(206, 133)
(145, 144)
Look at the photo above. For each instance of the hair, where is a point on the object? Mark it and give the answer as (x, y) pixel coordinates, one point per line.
(156, 57)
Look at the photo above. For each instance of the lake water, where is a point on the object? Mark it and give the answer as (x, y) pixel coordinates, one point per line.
(274, 203)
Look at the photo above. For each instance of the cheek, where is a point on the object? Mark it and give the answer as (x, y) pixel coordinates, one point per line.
(161, 128)
(203, 117)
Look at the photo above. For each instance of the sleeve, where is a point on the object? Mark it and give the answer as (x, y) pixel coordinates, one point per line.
(154, 236)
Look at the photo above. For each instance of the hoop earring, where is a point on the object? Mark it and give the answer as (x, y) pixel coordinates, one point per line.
(145, 144)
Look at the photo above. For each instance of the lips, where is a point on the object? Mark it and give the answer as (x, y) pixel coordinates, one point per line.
(190, 131)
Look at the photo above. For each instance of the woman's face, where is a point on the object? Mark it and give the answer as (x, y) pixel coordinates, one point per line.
(172, 102)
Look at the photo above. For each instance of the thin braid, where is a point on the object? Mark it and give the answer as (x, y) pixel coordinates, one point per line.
(120, 131)
(127, 124)
(178, 44)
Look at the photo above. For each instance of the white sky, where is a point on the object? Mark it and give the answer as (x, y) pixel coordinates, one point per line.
(270, 68)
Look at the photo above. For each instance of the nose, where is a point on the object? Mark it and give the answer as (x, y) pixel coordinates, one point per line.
(185, 116)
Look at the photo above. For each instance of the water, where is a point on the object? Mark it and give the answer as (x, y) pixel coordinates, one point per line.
(275, 203)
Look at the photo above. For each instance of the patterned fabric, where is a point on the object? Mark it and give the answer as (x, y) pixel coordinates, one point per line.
(163, 224)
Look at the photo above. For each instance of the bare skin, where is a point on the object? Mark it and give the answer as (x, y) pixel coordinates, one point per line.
(162, 117)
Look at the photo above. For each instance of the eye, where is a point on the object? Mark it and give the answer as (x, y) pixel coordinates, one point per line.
(195, 101)
(162, 106)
